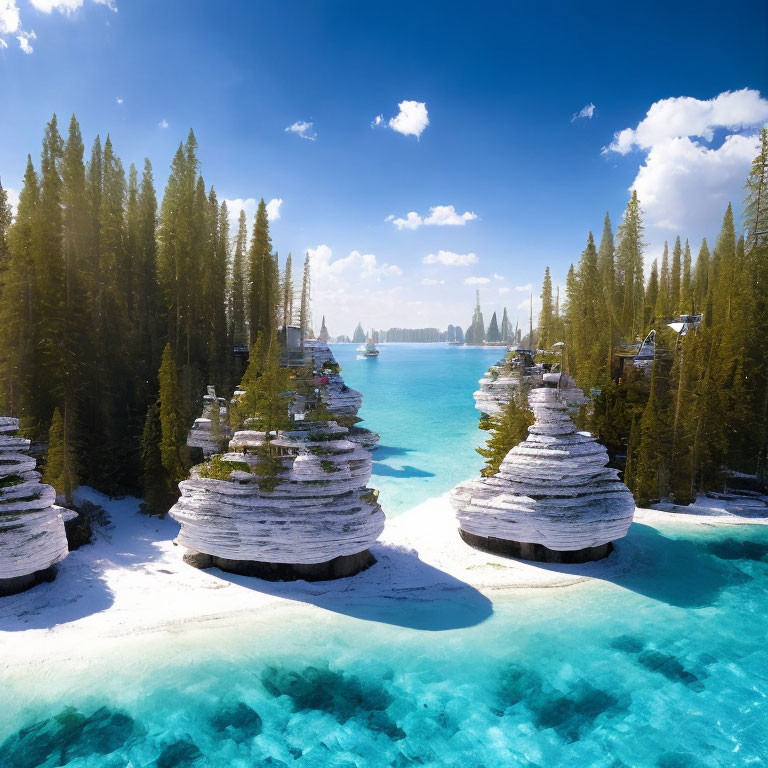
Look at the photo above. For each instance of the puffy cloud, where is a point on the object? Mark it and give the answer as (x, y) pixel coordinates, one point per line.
(119, 99)
(9, 17)
(303, 129)
(163, 123)
(686, 179)
(477, 281)
(432, 281)
(685, 116)
(411, 120)
(273, 208)
(497, 276)
(450, 259)
(356, 266)
(24, 38)
(584, 113)
(439, 216)
(680, 171)
(527, 288)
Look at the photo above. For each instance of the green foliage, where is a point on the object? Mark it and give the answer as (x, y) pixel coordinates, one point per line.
(220, 469)
(507, 430)
(60, 466)
(329, 466)
(158, 489)
(173, 424)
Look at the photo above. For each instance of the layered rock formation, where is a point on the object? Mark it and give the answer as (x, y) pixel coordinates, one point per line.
(553, 499)
(203, 435)
(32, 536)
(497, 383)
(305, 512)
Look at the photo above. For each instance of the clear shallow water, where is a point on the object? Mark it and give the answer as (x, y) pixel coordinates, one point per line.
(418, 397)
(665, 666)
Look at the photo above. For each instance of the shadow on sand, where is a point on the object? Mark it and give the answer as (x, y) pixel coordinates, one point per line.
(687, 572)
(399, 589)
(80, 588)
(384, 470)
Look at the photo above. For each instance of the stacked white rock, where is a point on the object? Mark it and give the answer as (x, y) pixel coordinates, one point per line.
(313, 519)
(32, 535)
(496, 387)
(553, 499)
(202, 435)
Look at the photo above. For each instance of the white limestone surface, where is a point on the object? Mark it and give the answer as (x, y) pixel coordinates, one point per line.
(32, 536)
(554, 488)
(318, 508)
(496, 387)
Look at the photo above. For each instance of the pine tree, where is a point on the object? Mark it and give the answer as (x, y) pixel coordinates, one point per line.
(756, 201)
(270, 406)
(651, 473)
(172, 420)
(664, 298)
(6, 217)
(237, 301)
(19, 311)
(494, 334)
(288, 293)
(157, 486)
(606, 265)
(263, 277)
(700, 287)
(60, 463)
(507, 430)
(674, 279)
(686, 284)
(547, 315)
(629, 259)
(652, 294)
(305, 320)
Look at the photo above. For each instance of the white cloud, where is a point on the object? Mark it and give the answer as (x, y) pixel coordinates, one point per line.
(686, 179)
(360, 266)
(432, 281)
(390, 217)
(477, 281)
(683, 116)
(411, 221)
(9, 18)
(497, 276)
(273, 208)
(439, 216)
(450, 259)
(24, 38)
(119, 99)
(411, 120)
(303, 129)
(527, 288)
(163, 123)
(584, 113)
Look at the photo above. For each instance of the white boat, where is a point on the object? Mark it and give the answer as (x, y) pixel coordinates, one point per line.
(369, 350)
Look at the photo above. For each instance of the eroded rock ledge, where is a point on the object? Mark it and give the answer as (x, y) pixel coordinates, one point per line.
(32, 535)
(311, 516)
(553, 499)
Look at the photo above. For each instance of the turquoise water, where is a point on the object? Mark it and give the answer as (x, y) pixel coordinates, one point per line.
(665, 666)
(418, 397)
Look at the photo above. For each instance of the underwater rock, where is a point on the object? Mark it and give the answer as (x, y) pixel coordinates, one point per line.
(180, 754)
(305, 512)
(553, 499)
(32, 535)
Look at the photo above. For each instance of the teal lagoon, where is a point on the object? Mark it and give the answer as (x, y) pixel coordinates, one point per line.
(662, 665)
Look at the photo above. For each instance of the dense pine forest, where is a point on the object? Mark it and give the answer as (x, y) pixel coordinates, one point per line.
(116, 310)
(701, 410)
(107, 295)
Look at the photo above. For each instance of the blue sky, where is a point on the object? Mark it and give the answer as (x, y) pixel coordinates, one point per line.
(500, 84)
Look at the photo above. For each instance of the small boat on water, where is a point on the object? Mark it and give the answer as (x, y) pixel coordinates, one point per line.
(369, 350)
(455, 343)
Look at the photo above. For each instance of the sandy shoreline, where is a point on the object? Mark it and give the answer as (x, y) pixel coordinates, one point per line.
(131, 584)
